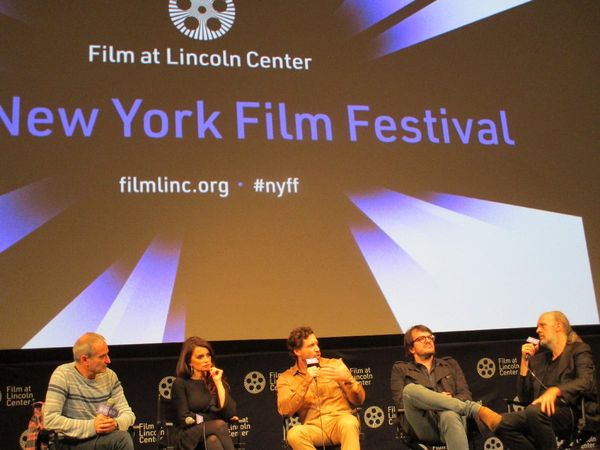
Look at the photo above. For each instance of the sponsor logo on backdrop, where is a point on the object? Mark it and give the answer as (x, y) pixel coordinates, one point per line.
(508, 366)
(255, 382)
(203, 20)
(146, 433)
(364, 375)
(242, 428)
(374, 417)
(17, 396)
(391, 415)
(200, 20)
(273, 380)
(486, 368)
(493, 443)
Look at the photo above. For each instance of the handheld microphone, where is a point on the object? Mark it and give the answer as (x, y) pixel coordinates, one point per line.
(534, 341)
(107, 409)
(189, 421)
(313, 362)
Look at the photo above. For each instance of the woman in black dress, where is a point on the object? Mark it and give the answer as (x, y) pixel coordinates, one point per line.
(201, 399)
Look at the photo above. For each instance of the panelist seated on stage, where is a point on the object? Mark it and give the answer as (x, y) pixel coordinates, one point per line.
(552, 383)
(322, 392)
(201, 399)
(85, 403)
(433, 393)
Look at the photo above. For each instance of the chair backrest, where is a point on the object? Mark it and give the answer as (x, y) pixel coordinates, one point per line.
(165, 414)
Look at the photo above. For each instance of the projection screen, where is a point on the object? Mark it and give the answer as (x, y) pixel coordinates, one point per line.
(233, 169)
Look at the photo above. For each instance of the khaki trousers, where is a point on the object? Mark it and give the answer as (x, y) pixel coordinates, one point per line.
(341, 429)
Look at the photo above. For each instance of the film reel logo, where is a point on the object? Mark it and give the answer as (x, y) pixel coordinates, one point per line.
(374, 417)
(23, 440)
(486, 368)
(203, 20)
(493, 443)
(294, 420)
(255, 382)
(164, 387)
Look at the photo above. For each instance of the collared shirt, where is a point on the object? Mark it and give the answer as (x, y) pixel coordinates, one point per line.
(313, 398)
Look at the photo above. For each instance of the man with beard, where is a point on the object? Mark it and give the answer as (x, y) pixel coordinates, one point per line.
(322, 391)
(434, 394)
(553, 383)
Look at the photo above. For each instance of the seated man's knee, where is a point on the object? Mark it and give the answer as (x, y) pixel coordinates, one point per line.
(296, 435)
(532, 411)
(534, 414)
(123, 440)
(348, 421)
(450, 420)
(411, 389)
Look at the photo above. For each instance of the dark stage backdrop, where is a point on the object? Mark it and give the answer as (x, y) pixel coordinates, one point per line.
(198, 166)
(490, 364)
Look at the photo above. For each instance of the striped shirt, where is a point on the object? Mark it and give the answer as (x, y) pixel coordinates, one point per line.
(72, 401)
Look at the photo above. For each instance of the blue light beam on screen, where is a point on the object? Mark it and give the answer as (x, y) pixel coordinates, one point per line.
(11, 9)
(474, 274)
(26, 209)
(436, 19)
(359, 15)
(84, 313)
(140, 312)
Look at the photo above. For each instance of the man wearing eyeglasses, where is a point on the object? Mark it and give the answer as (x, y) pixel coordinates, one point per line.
(434, 394)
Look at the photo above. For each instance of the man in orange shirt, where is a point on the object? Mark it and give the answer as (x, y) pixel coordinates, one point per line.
(322, 392)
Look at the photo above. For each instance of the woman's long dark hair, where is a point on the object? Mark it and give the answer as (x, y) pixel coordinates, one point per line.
(183, 368)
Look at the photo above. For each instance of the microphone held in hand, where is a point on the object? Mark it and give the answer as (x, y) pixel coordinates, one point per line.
(190, 421)
(535, 342)
(313, 367)
(312, 362)
(108, 409)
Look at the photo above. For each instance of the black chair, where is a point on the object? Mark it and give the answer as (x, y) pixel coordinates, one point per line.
(290, 421)
(582, 432)
(166, 417)
(410, 440)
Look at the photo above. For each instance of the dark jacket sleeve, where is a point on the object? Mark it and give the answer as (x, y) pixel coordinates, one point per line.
(462, 388)
(579, 377)
(229, 407)
(179, 401)
(525, 388)
(397, 383)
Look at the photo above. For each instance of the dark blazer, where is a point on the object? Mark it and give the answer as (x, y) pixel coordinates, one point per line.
(577, 378)
(447, 375)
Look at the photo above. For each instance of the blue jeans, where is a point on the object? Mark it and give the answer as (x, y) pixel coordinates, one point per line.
(436, 417)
